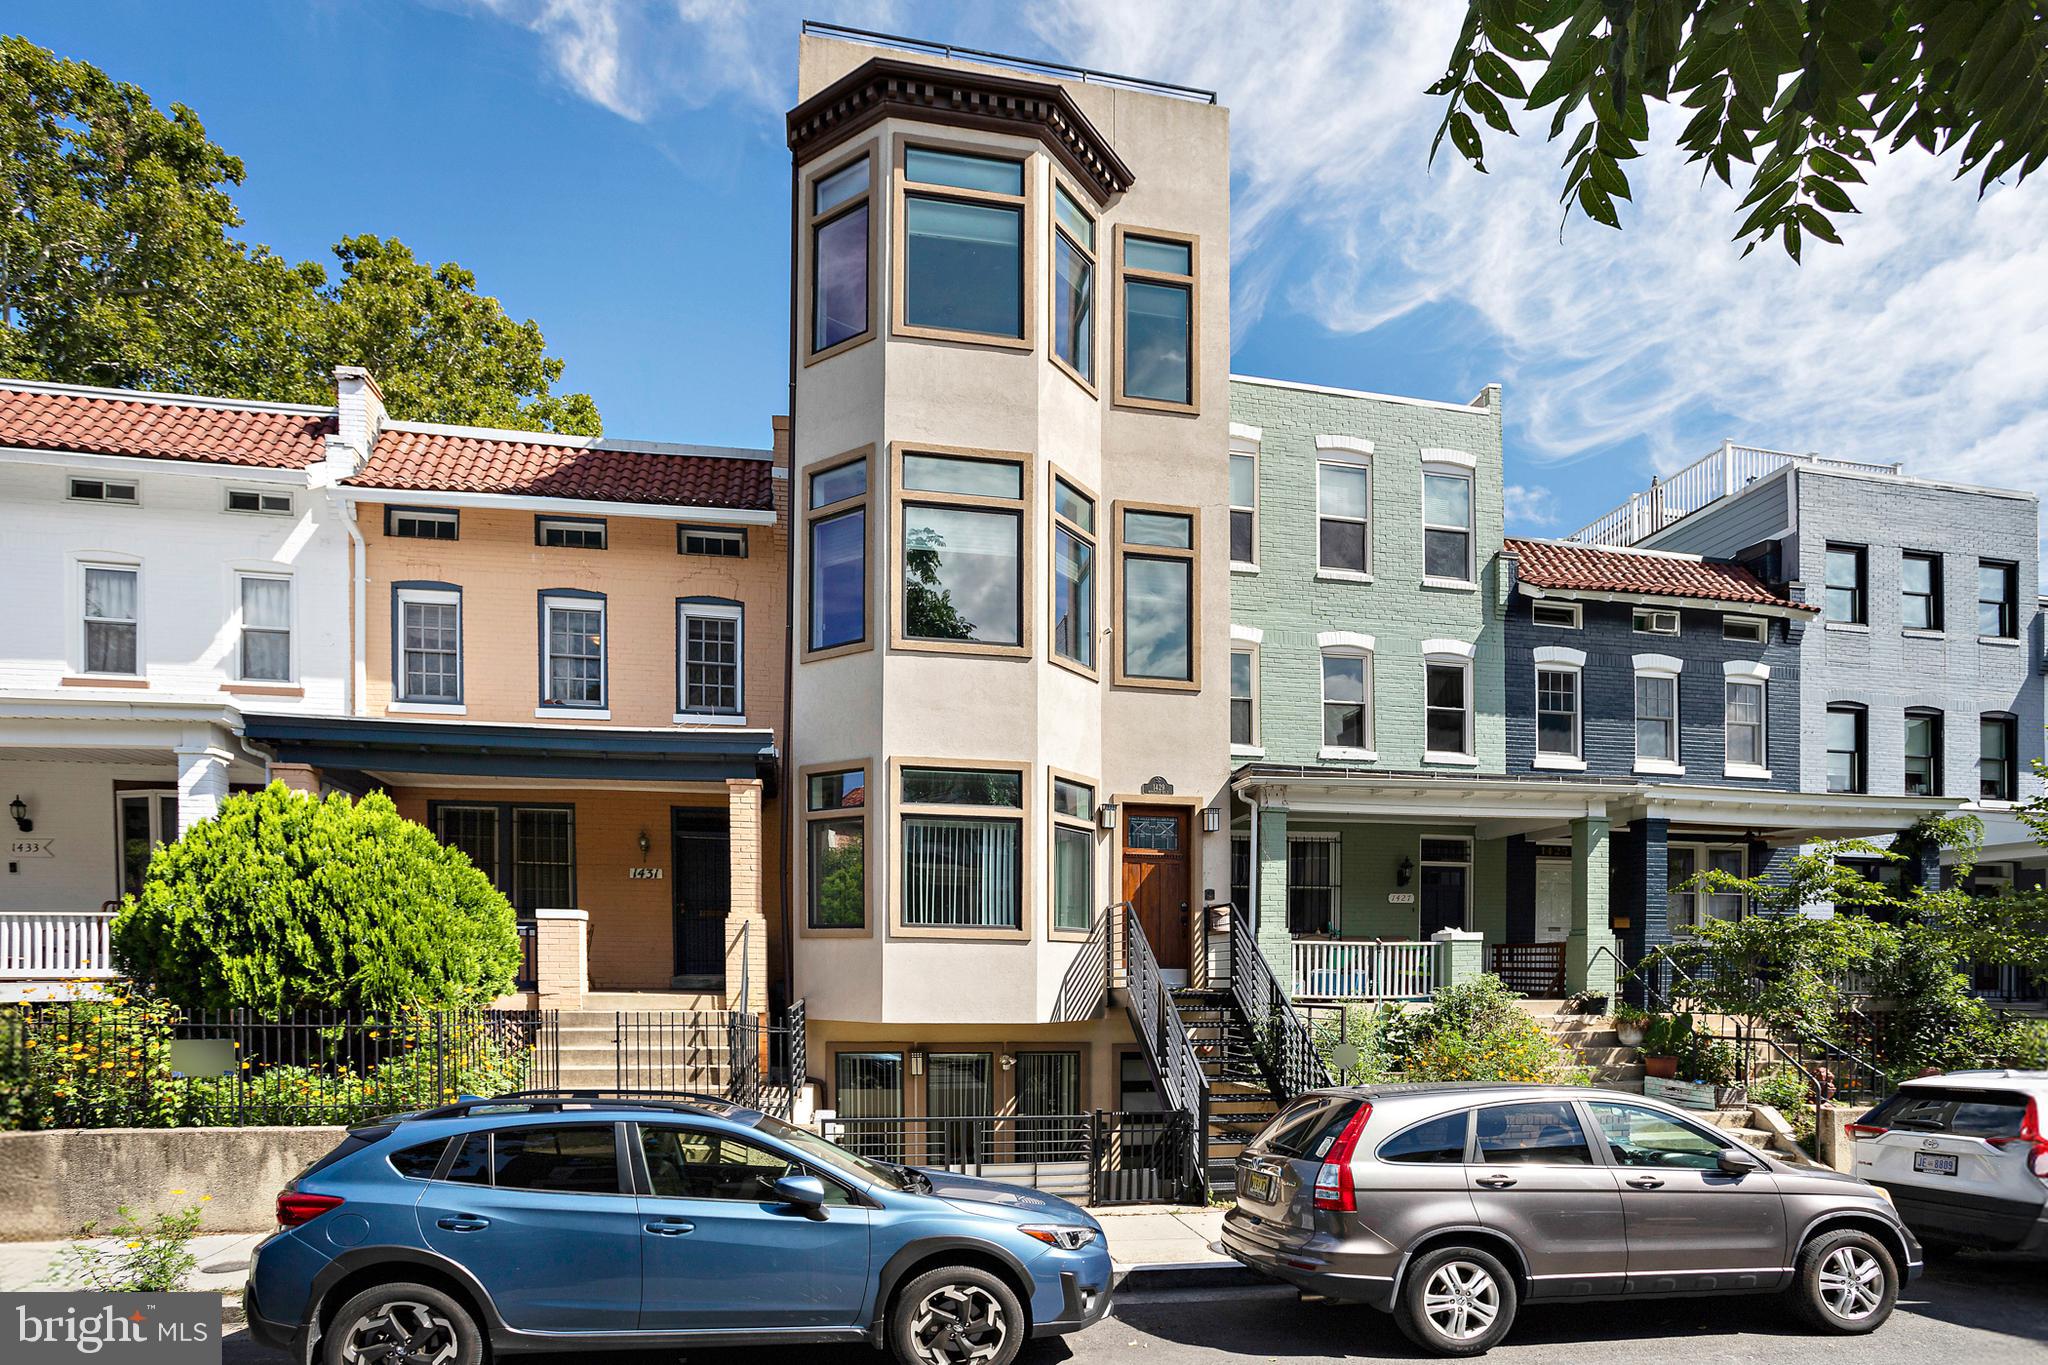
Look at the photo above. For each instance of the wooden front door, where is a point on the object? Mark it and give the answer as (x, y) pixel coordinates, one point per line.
(1156, 878)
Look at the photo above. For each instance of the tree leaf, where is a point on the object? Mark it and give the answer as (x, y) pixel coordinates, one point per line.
(1499, 76)
(1596, 205)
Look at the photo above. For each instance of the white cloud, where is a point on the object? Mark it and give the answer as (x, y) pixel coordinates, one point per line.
(1529, 509)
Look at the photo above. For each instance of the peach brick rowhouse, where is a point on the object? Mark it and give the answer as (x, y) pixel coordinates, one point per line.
(568, 664)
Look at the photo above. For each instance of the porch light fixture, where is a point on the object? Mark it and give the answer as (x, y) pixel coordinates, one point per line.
(1212, 820)
(1405, 872)
(916, 1063)
(18, 808)
(643, 843)
(1105, 815)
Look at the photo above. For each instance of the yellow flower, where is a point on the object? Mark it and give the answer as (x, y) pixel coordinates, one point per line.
(177, 1191)
(205, 1198)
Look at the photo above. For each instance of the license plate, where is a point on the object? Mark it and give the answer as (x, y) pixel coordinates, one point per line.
(1934, 1163)
(1259, 1185)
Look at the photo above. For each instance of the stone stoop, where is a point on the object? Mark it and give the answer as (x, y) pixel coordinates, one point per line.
(695, 1059)
(1593, 1038)
(1763, 1127)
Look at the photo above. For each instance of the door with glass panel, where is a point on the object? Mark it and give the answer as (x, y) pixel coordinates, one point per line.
(1156, 879)
(869, 1086)
(959, 1087)
(147, 818)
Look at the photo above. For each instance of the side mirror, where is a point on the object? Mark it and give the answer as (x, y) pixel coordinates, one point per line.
(1735, 1161)
(806, 1192)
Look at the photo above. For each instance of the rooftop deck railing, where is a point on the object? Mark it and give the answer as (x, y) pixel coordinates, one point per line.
(1721, 473)
(1061, 70)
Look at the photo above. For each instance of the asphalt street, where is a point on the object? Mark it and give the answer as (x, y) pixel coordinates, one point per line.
(1970, 1311)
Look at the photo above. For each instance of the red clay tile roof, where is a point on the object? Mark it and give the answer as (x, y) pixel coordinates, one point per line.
(94, 424)
(1589, 568)
(444, 462)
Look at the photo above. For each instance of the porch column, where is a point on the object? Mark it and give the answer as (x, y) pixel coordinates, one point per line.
(561, 953)
(1590, 931)
(1652, 917)
(746, 925)
(202, 782)
(1276, 944)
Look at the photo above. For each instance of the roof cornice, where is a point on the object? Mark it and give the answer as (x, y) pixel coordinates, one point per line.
(888, 87)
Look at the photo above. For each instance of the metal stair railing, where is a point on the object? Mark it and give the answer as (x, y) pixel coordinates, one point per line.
(1169, 1052)
(1285, 1047)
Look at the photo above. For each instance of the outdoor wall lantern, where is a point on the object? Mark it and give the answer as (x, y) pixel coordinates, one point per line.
(18, 808)
(1105, 815)
(643, 843)
(916, 1063)
(1212, 820)
(1008, 1062)
(1404, 872)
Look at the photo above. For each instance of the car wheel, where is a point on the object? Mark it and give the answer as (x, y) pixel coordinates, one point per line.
(955, 1315)
(402, 1324)
(1847, 1283)
(1456, 1301)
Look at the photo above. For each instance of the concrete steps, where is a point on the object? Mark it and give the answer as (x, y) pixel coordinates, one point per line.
(1598, 1046)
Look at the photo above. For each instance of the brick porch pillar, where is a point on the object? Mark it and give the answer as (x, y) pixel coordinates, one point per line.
(1586, 968)
(562, 957)
(298, 777)
(746, 925)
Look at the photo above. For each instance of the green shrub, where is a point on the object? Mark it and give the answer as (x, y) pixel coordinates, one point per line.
(139, 1255)
(2026, 1044)
(1473, 1031)
(284, 901)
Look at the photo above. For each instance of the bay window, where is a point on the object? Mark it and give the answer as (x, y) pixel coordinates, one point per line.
(835, 838)
(1073, 567)
(836, 548)
(961, 270)
(961, 849)
(1073, 285)
(1155, 365)
(840, 254)
(1073, 855)
(1447, 525)
(265, 654)
(710, 634)
(962, 561)
(1157, 551)
(572, 649)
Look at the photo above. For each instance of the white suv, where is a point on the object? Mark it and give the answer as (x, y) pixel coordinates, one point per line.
(1964, 1158)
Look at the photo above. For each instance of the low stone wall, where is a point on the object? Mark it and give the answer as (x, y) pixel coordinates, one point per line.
(53, 1183)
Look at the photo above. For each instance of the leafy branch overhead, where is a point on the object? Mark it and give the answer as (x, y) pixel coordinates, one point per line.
(1789, 97)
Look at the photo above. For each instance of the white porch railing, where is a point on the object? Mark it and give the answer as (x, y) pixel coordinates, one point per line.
(59, 945)
(1363, 969)
(1729, 469)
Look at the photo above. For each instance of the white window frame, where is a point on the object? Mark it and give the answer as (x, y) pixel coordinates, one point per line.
(1575, 610)
(723, 535)
(1454, 464)
(262, 495)
(1245, 445)
(1667, 668)
(291, 629)
(1363, 468)
(1247, 640)
(1571, 663)
(437, 516)
(439, 597)
(582, 526)
(549, 706)
(1451, 654)
(1738, 673)
(71, 493)
(1691, 899)
(711, 611)
(1345, 644)
(1643, 621)
(121, 565)
(1759, 629)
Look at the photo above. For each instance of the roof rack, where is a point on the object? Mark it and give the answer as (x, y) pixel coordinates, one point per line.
(1061, 70)
(668, 1101)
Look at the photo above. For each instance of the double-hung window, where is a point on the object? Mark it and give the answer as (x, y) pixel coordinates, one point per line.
(1997, 599)
(1156, 591)
(711, 635)
(963, 563)
(1656, 678)
(572, 649)
(1843, 600)
(1559, 722)
(1073, 285)
(1312, 883)
(1343, 517)
(962, 257)
(840, 254)
(836, 547)
(1923, 753)
(266, 627)
(1847, 750)
(1743, 700)
(1156, 366)
(962, 849)
(1447, 701)
(1347, 703)
(1073, 855)
(1244, 699)
(1447, 525)
(1996, 749)
(1073, 570)
(1919, 591)
(429, 635)
(835, 834)
(1244, 509)
(111, 608)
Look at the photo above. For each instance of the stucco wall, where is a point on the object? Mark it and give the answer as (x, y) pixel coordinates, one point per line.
(58, 1181)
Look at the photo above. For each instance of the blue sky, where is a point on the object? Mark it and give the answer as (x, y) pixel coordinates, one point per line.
(615, 170)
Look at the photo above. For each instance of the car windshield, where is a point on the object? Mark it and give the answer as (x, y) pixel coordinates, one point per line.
(1952, 1110)
(832, 1155)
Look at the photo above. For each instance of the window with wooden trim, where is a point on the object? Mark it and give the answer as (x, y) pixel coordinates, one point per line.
(1447, 709)
(1919, 591)
(1657, 718)
(1073, 286)
(835, 836)
(1244, 509)
(1156, 360)
(1347, 701)
(1997, 758)
(961, 268)
(527, 851)
(1742, 724)
(1844, 599)
(1846, 737)
(836, 552)
(572, 650)
(962, 566)
(842, 255)
(112, 619)
(961, 848)
(1156, 594)
(1073, 574)
(1558, 718)
(1073, 855)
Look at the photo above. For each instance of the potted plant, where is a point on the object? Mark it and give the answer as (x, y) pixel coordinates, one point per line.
(1586, 1002)
(1665, 1038)
(1629, 1023)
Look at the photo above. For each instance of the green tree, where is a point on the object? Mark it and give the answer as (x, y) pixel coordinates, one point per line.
(1797, 95)
(928, 609)
(119, 267)
(842, 884)
(284, 901)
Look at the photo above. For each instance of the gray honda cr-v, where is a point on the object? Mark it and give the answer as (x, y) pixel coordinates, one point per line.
(1449, 1205)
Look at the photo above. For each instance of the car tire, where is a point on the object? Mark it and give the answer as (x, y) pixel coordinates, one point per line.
(944, 1316)
(1846, 1283)
(1456, 1301)
(433, 1328)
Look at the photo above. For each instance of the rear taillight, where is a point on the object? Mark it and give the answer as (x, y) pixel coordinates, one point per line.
(297, 1210)
(1335, 1189)
(2031, 1135)
(1864, 1130)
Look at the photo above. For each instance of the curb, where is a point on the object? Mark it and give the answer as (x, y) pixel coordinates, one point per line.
(1185, 1275)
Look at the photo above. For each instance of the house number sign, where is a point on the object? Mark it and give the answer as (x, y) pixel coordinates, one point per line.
(643, 874)
(1400, 898)
(31, 848)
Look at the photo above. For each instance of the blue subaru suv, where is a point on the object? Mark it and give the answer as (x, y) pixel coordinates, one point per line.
(576, 1220)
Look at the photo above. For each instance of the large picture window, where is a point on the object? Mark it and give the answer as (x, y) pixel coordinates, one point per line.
(962, 565)
(1073, 855)
(841, 211)
(962, 849)
(712, 638)
(1156, 365)
(1073, 284)
(1073, 567)
(572, 650)
(836, 548)
(961, 263)
(835, 835)
(1157, 554)
(429, 656)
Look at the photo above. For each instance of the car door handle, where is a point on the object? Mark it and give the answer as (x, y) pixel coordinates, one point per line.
(464, 1222)
(671, 1228)
(1644, 1182)
(1495, 1182)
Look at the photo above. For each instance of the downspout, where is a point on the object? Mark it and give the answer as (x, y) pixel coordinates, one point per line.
(359, 632)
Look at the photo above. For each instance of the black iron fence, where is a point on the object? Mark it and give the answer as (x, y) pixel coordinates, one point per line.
(734, 1053)
(140, 1064)
(1101, 1157)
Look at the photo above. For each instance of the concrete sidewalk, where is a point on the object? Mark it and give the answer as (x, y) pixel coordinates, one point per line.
(223, 1262)
(1156, 1235)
